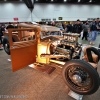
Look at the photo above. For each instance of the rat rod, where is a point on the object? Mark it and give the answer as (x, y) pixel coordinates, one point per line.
(35, 44)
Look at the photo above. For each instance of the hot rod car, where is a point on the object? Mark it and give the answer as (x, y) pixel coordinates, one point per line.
(34, 44)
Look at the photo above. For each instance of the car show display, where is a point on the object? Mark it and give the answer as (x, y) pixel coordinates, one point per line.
(34, 44)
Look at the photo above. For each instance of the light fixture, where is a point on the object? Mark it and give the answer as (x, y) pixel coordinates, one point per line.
(90, 1)
(79, 0)
(51, 0)
(65, 0)
(5, 0)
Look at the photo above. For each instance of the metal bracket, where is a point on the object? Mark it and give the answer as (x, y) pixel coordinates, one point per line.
(75, 95)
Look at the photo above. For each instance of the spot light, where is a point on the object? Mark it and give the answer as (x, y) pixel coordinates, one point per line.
(90, 1)
(79, 0)
(65, 0)
(51, 0)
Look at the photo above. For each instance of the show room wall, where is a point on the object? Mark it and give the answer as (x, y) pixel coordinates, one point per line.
(8, 11)
(69, 12)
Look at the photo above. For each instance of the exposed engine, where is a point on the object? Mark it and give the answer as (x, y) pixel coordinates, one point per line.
(70, 49)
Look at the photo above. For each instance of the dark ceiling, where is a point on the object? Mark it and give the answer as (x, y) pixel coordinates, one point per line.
(59, 1)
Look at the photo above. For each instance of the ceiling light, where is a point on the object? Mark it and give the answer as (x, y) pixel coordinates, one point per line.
(90, 1)
(51, 0)
(65, 0)
(79, 0)
(5, 0)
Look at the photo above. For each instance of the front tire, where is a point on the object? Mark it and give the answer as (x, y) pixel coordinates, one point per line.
(6, 45)
(81, 77)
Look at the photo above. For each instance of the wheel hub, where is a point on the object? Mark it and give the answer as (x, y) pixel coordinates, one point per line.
(77, 79)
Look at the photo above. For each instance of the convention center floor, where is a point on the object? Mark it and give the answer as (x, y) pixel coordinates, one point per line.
(31, 84)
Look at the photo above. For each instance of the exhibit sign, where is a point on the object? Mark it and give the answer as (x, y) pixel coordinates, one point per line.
(60, 18)
(15, 19)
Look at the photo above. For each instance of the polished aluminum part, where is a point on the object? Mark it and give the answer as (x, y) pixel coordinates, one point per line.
(77, 79)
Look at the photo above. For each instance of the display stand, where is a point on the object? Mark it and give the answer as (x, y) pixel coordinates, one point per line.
(75, 95)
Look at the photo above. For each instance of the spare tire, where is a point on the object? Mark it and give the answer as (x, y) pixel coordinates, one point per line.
(6, 44)
(81, 77)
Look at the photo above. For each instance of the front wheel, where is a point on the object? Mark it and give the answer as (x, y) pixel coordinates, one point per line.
(81, 77)
(6, 45)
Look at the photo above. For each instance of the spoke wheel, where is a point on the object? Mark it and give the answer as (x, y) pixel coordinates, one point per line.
(81, 77)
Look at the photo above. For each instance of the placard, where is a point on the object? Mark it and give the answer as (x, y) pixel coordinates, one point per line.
(60, 18)
(16, 19)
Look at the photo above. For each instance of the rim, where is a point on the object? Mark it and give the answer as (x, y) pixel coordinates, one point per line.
(78, 78)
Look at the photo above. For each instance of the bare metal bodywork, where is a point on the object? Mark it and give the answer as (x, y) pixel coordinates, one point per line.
(36, 45)
(30, 51)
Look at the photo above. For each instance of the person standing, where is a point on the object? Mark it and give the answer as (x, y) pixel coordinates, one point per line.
(0, 37)
(85, 28)
(77, 27)
(2, 29)
(10, 26)
(98, 24)
(93, 31)
(69, 28)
